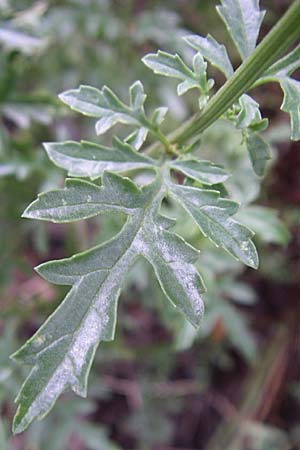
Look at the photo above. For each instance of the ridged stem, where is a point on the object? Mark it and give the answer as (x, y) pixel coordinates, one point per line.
(278, 40)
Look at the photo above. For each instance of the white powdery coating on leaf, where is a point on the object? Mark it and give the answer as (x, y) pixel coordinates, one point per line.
(86, 338)
(92, 168)
(58, 382)
(188, 280)
(243, 18)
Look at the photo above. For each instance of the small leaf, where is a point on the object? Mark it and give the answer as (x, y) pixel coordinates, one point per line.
(168, 65)
(137, 138)
(250, 121)
(106, 106)
(164, 63)
(243, 19)
(212, 51)
(249, 112)
(202, 171)
(86, 159)
(159, 115)
(280, 72)
(291, 104)
(259, 125)
(137, 96)
(259, 152)
(88, 101)
(213, 216)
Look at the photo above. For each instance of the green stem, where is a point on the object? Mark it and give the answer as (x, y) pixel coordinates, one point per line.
(155, 130)
(162, 139)
(279, 39)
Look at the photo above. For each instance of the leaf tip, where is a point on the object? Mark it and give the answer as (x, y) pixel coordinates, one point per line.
(26, 214)
(40, 269)
(14, 356)
(146, 58)
(47, 146)
(64, 97)
(20, 423)
(252, 259)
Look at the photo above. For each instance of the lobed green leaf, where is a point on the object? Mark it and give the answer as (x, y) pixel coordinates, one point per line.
(213, 216)
(86, 159)
(105, 105)
(169, 65)
(259, 152)
(250, 121)
(249, 112)
(62, 350)
(243, 19)
(202, 171)
(291, 104)
(212, 51)
(82, 200)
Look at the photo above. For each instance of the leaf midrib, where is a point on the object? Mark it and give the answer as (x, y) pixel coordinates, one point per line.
(89, 308)
(210, 220)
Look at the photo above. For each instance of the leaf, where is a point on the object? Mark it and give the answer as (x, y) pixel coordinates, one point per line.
(280, 72)
(62, 350)
(291, 104)
(159, 115)
(168, 65)
(239, 292)
(249, 112)
(266, 224)
(243, 19)
(110, 110)
(286, 66)
(212, 51)
(86, 159)
(202, 171)
(213, 216)
(237, 330)
(82, 199)
(259, 152)
(137, 138)
(250, 121)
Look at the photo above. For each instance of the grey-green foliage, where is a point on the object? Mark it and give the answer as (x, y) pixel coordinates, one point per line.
(168, 65)
(89, 159)
(281, 72)
(212, 51)
(243, 19)
(110, 110)
(245, 114)
(61, 352)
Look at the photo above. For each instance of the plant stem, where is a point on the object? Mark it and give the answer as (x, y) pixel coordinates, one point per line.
(155, 130)
(279, 39)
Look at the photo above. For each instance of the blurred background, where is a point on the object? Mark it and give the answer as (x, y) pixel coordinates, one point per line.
(161, 385)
